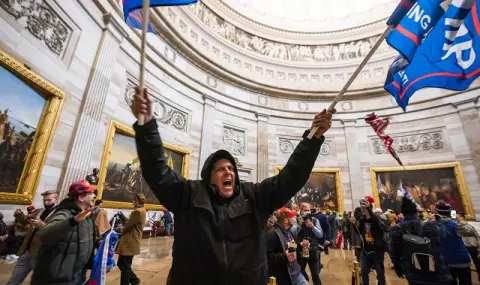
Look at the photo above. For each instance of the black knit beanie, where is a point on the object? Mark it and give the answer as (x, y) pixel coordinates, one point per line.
(408, 207)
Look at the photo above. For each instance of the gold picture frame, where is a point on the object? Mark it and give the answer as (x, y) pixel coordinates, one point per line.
(457, 172)
(37, 153)
(116, 127)
(338, 183)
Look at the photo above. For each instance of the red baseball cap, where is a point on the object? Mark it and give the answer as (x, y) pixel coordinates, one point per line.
(80, 187)
(31, 208)
(286, 213)
(370, 199)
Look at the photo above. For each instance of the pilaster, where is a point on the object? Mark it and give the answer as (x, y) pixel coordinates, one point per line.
(262, 146)
(93, 102)
(469, 117)
(209, 104)
(355, 170)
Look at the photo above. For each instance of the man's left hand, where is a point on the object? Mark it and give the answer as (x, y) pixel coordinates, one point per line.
(310, 225)
(323, 121)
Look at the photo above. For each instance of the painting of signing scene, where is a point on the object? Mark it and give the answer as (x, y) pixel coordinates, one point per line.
(121, 175)
(427, 184)
(322, 190)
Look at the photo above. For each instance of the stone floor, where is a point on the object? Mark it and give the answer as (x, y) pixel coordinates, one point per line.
(153, 263)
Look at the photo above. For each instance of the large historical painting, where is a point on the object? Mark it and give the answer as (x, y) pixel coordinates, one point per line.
(121, 176)
(427, 184)
(26, 128)
(323, 189)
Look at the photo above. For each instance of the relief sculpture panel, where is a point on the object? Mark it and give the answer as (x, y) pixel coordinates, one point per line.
(411, 143)
(40, 20)
(234, 140)
(162, 112)
(288, 145)
(342, 51)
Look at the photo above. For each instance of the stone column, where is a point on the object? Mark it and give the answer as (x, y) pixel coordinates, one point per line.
(91, 110)
(355, 170)
(471, 125)
(262, 146)
(207, 129)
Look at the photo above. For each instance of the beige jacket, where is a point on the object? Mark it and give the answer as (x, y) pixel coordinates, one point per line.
(129, 244)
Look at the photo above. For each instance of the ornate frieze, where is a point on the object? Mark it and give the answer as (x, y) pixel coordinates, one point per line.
(40, 20)
(162, 111)
(234, 140)
(343, 51)
(288, 145)
(411, 143)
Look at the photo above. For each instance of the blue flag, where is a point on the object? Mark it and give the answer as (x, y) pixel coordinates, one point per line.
(130, 5)
(135, 18)
(103, 261)
(446, 59)
(400, 11)
(409, 33)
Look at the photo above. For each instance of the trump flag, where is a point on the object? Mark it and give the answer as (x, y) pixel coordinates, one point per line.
(103, 261)
(135, 19)
(446, 59)
(411, 30)
(400, 11)
(130, 5)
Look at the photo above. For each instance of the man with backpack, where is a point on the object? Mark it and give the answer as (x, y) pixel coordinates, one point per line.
(415, 248)
(453, 249)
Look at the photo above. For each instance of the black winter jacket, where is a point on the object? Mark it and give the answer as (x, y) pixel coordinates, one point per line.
(66, 248)
(403, 264)
(278, 265)
(218, 241)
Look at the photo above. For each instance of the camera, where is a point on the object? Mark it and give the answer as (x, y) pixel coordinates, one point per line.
(307, 216)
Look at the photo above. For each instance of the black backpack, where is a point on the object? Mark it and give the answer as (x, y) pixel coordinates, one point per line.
(418, 252)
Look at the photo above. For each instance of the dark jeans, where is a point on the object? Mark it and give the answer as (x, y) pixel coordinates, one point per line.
(375, 260)
(314, 265)
(463, 275)
(127, 275)
(476, 261)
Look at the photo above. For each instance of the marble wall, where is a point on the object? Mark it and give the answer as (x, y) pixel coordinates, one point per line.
(98, 65)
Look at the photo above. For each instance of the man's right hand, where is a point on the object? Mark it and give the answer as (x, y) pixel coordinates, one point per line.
(83, 214)
(292, 256)
(142, 105)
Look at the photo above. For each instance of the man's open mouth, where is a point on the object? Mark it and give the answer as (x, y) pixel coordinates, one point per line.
(227, 183)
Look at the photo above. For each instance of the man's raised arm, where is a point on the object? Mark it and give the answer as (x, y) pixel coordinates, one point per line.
(274, 192)
(170, 187)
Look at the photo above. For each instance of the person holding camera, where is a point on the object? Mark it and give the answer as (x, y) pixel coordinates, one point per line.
(282, 250)
(373, 244)
(310, 234)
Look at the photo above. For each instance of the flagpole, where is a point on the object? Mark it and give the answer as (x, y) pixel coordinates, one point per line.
(145, 10)
(355, 74)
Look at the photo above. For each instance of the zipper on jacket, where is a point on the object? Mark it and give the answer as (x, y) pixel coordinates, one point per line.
(223, 221)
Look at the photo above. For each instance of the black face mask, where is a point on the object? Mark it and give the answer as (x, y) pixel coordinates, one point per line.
(48, 207)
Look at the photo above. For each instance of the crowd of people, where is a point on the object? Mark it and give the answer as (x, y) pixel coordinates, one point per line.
(424, 247)
(57, 243)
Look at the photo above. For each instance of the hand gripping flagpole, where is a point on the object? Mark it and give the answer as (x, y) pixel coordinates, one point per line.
(145, 10)
(355, 74)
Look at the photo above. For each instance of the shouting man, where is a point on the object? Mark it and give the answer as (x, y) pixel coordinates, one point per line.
(220, 223)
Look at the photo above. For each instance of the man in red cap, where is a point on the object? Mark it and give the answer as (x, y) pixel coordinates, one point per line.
(282, 250)
(68, 238)
(372, 232)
